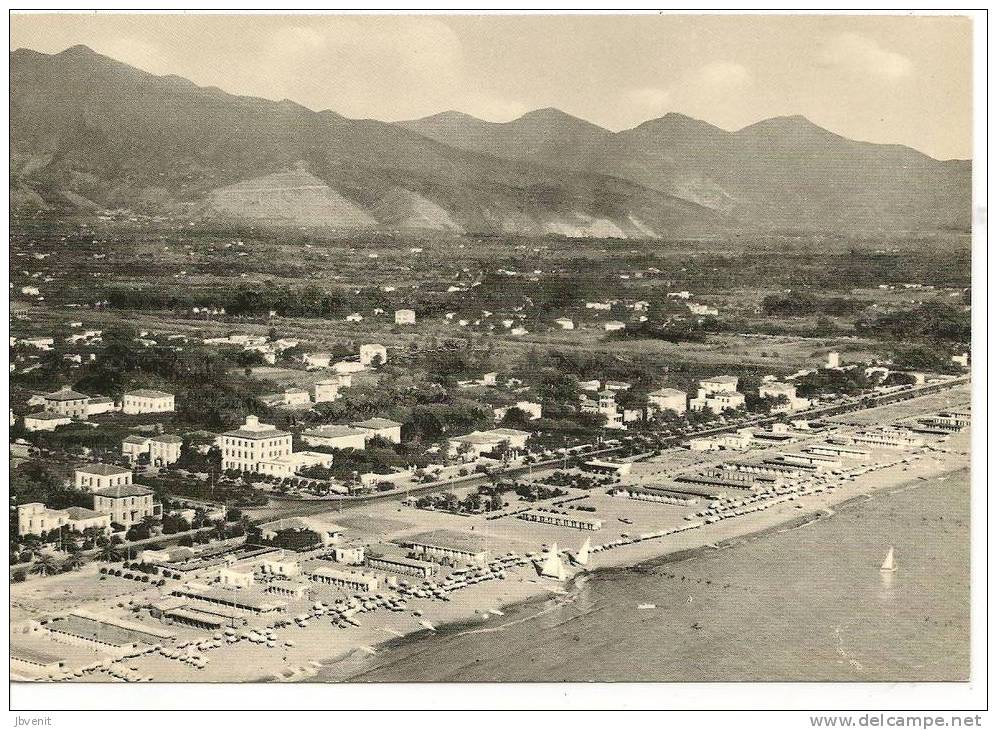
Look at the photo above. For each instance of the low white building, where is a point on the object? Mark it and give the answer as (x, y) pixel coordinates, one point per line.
(776, 389)
(290, 398)
(369, 352)
(37, 519)
(565, 323)
(290, 464)
(336, 437)
(477, 443)
(326, 391)
(45, 421)
(405, 316)
(146, 400)
(316, 360)
(383, 427)
(100, 404)
(531, 409)
(614, 325)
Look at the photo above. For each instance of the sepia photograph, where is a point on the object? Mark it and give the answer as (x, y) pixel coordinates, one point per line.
(493, 349)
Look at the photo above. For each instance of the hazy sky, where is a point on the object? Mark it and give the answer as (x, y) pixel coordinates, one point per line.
(877, 78)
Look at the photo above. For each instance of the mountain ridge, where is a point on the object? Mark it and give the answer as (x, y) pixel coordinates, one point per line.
(85, 126)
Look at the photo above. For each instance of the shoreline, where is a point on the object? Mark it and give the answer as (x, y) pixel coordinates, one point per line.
(624, 561)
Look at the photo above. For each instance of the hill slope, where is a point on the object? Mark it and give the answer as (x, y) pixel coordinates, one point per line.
(784, 172)
(86, 125)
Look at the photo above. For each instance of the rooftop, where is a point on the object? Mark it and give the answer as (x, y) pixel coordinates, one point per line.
(376, 423)
(167, 438)
(245, 433)
(103, 470)
(148, 393)
(725, 379)
(335, 431)
(667, 392)
(46, 416)
(447, 539)
(82, 513)
(66, 393)
(136, 440)
(124, 490)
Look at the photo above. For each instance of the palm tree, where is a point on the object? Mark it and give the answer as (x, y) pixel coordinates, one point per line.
(45, 564)
(90, 535)
(109, 554)
(75, 561)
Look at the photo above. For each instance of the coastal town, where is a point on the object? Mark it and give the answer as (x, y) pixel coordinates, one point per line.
(375, 361)
(262, 551)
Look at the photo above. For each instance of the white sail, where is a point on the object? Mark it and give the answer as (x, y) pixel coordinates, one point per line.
(889, 565)
(582, 556)
(553, 567)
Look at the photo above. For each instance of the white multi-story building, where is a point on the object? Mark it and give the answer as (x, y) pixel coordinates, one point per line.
(668, 399)
(605, 404)
(134, 446)
(67, 402)
(775, 389)
(717, 401)
(164, 449)
(253, 442)
(146, 400)
(126, 504)
(92, 477)
(719, 384)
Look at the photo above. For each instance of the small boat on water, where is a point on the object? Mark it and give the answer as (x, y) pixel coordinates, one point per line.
(889, 564)
(645, 606)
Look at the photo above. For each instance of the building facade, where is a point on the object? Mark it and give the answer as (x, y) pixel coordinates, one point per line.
(126, 504)
(244, 448)
(147, 401)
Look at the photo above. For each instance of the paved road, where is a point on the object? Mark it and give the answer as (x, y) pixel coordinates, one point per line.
(291, 507)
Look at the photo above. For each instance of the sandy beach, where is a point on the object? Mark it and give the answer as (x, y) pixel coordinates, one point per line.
(336, 654)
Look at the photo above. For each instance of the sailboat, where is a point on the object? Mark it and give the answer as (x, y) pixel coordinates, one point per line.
(552, 566)
(889, 565)
(582, 556)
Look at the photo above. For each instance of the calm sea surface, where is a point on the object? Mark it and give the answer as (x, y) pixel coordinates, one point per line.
(808, 603)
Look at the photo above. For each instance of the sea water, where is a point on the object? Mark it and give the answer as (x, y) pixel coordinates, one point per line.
(802, 603)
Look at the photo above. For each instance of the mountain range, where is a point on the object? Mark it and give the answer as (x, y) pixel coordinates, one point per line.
(90, 132)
